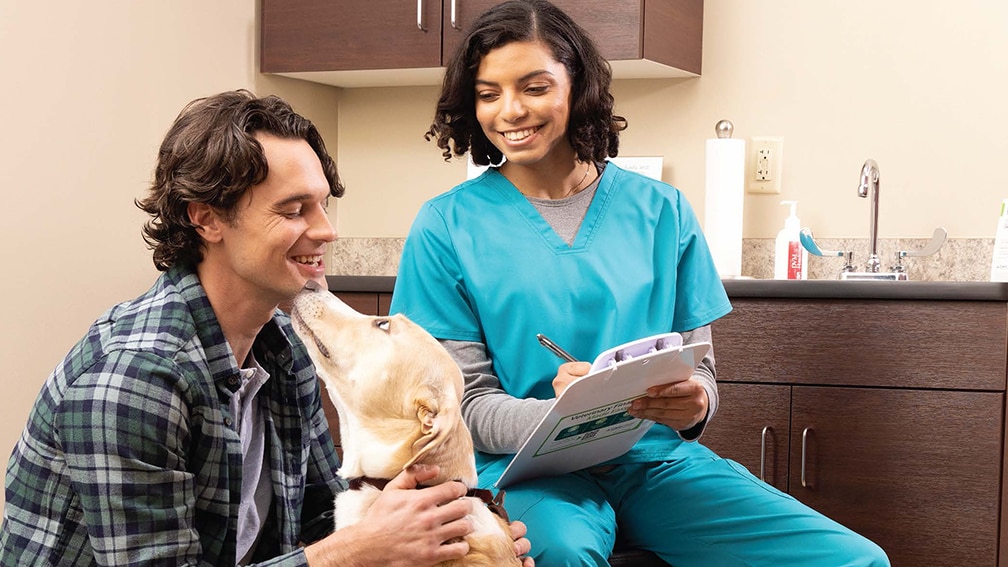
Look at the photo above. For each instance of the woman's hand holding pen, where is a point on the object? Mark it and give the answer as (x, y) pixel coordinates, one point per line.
(679, 406)
(567, 373)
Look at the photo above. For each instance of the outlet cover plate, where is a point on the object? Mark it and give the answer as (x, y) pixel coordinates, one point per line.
(764, 164)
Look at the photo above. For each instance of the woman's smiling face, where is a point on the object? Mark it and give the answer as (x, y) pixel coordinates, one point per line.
(523, 101)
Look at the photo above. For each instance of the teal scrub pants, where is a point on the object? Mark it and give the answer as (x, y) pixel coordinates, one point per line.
(698, 510)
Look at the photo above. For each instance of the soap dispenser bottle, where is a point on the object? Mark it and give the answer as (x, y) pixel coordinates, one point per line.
(790, 257)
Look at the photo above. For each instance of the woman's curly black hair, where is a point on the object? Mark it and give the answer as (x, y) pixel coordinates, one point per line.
(210, 155)
(593, 129)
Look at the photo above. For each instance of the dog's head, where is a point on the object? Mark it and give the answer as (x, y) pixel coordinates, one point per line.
(397, 390)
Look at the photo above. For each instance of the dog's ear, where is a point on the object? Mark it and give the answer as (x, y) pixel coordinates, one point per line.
(436, 421)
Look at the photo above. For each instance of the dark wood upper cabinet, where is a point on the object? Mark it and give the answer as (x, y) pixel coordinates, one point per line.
(322, 35)
(386, 42)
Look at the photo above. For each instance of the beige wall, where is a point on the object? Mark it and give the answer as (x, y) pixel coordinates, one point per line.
(921, 86)
(89, 89)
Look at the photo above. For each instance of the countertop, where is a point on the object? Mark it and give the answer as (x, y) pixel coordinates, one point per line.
(784, 289)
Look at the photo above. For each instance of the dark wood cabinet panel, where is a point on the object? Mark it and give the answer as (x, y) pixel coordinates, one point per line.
(894, 409)
(918, 471)
(668, 32)
(362, 302)
(322, 35)
(897, 415)
(752, 427)
(900, 344)
(318, 39)
(466, 12)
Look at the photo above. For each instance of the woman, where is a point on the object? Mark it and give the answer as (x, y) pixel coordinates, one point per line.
(553, 239)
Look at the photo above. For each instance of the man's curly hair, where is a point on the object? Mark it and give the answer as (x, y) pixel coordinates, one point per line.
(210, 155)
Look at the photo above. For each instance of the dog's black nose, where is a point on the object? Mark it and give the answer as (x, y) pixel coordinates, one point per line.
(312, 285)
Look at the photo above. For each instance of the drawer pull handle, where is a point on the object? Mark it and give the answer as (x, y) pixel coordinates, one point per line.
(454, 16)
(804, 454)
(419, 15)
(762, 456)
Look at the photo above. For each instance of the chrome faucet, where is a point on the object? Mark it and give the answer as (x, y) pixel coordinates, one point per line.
(869, 187)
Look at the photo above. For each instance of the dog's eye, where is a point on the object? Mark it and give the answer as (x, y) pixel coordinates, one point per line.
(382, 324)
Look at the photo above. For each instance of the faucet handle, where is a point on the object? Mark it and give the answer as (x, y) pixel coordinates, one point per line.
(931, 248)
(809, 243)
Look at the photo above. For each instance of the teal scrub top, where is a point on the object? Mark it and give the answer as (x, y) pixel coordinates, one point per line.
(481, 264)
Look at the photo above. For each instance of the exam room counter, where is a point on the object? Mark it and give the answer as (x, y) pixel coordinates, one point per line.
(781, 289)
(879, 403)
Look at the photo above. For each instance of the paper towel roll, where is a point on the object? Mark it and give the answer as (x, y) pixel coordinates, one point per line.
(725, 185)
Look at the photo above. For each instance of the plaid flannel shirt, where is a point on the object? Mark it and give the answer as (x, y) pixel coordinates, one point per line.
(130, 455)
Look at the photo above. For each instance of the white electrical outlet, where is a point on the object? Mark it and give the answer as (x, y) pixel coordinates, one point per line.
(766, 156)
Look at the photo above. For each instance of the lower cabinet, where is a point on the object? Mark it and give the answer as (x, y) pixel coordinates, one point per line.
(887, 416)
(368, 303)
(916, 471)
(752, 426)
(854, 430)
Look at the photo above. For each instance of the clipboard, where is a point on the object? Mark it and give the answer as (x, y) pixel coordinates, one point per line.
(588, 423)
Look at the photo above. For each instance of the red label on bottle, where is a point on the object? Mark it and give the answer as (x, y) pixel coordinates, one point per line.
(794, 264)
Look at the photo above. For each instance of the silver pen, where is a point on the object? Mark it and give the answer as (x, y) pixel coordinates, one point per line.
(544, 341)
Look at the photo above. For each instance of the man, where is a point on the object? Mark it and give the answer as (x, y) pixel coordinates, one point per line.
(185, 428)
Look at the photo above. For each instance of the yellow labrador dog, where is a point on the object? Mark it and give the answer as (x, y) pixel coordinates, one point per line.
(398, 394)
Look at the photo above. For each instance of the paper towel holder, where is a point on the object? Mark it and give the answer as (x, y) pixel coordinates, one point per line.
(724, 128)
(724, 166)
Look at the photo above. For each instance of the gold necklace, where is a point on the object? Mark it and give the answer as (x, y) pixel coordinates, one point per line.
(574, 189)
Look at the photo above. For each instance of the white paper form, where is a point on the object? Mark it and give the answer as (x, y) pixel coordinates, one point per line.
(589, 424)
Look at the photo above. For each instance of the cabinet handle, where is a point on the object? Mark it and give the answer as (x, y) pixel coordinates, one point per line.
(804, 452)
(762, 456)
(454, 16)
(419, 15)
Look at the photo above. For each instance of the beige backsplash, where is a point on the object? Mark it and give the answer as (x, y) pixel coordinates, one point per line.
(963, 259)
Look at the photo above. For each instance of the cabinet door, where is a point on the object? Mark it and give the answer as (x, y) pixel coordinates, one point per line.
(751, 427)
(668, 32)
(956, 345)
(916, 471)
(384, 303)
(364, 302)
(323, 35)
(615, 25)
(458, 16)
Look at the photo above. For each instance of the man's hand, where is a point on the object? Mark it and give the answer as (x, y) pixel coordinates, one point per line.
(406, 526)
(679, 406)
(522, 545)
